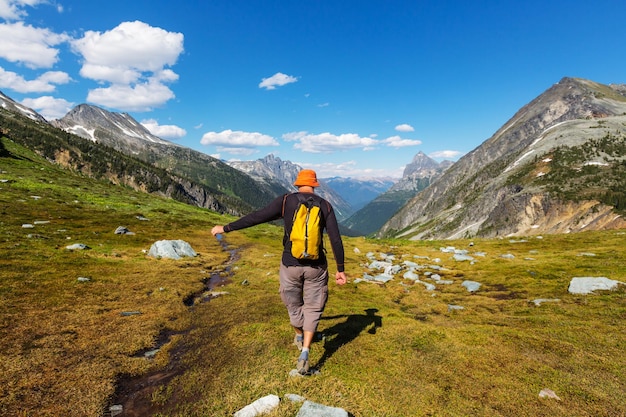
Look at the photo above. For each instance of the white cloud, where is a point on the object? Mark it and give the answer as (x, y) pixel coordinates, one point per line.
(138, 97)
(404, 128)
(33, 47)
(445, 154)
(237, 151)
(398, 142)
(279, 79)
(237, 139)
(351, 169)
(45, 83)
(48, 106)
(13, 9)
(328, 142)
(133, 57)
(115, 75)
(163, 131)
(131, 45)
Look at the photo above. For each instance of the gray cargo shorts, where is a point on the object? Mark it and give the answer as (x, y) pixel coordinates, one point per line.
(304, 291)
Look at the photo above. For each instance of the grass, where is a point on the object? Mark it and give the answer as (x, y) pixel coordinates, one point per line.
(389, 350)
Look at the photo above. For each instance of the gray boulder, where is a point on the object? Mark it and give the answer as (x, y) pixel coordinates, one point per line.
(587, 285)
(311, 409)
(171, 249)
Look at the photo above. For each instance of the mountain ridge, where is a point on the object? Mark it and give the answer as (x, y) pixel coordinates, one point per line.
(123, 133)
(473, 196)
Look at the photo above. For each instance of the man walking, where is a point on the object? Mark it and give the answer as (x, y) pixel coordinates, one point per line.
(303, 282)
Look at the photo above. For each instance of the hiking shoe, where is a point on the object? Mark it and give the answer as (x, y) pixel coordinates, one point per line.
(303, 366)
(297, 341)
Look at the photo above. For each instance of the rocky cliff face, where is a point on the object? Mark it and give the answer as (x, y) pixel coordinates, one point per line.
(499, 188)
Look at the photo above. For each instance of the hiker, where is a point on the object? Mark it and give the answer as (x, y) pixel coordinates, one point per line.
(303, 282)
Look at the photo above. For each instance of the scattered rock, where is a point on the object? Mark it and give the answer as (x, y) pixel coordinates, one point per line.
(471, 286)
(121, 230)
(130, 313)
(116, 410)
(461, 257)
(77, 246)
(27, 226)
(151, 353)
(260, 406)
(452, 307)
(311, 409)
(83, 279)
(411, 275)
(383, 278)
(548, 393)
(172, 249)
(218, 293)
(587, 285)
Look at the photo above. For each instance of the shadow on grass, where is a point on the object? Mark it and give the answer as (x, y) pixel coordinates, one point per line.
(345, 332)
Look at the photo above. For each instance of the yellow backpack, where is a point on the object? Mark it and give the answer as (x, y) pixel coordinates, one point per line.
(306, 229)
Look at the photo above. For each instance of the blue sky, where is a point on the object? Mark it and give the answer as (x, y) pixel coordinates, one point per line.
(351, 88)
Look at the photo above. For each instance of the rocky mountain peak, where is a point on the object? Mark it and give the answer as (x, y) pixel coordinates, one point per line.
(99, 125)
(421, 165)
(11, 105)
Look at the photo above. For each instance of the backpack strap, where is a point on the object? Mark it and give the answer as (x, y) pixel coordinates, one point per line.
(282, 213)
(301, 199)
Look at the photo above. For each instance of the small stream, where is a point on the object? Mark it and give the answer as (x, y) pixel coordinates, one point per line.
(132, 396)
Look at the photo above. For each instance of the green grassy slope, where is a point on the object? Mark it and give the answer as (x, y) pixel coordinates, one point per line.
(393, 349)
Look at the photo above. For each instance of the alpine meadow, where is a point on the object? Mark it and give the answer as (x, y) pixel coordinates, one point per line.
(93, 326)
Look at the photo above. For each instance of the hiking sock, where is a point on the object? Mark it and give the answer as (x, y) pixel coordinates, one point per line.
(303, 362)
(304, 355)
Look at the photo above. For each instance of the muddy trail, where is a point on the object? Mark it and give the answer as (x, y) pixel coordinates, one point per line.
(133, 394)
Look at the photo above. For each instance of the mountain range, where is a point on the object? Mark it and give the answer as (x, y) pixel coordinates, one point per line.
(272, 168)
(557, 166)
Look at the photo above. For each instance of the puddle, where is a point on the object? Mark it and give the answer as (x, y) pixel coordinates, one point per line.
(133, 394)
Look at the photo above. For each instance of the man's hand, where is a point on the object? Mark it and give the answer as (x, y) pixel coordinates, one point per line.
(217, 230)
(340, 278)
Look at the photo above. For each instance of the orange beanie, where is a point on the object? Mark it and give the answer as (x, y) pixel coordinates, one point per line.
(306, 177)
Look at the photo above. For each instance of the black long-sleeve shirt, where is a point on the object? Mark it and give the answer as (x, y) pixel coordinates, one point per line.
(274, 211)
